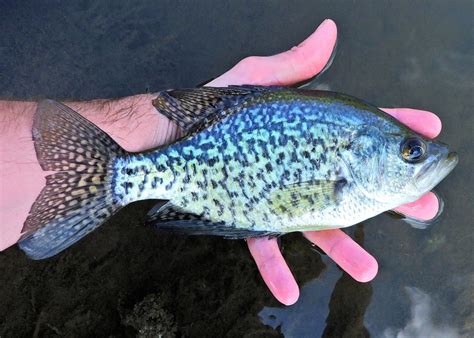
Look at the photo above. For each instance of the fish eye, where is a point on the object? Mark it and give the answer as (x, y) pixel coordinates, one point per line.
(413, 149)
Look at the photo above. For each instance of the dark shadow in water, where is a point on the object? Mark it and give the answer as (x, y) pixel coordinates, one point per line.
(348, 304)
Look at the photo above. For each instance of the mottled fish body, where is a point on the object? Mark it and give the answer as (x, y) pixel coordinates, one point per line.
(253, 161)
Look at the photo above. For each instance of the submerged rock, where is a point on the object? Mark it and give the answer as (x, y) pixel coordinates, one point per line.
(150, 318)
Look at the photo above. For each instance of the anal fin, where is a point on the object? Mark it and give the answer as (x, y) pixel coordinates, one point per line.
(173, 218)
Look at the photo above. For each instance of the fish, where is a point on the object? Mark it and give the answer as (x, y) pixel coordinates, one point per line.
(254, 161)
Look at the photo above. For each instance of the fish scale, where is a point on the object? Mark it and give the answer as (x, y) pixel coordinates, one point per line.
(253, 161)
(241, 160)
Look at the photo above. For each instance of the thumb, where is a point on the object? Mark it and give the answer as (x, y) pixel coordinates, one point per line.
(295, 65)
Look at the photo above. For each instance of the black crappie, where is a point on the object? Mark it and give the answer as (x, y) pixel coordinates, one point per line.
(254, 161)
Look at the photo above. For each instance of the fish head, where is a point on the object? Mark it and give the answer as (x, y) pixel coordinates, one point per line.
(397, 168)
(423, 163)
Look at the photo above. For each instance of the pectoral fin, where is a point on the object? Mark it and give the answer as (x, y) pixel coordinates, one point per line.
(299, 198)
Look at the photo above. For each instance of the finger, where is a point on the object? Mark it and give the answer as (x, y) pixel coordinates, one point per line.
(295, 65)
(274, 270)
(343, 250)
(421, 121)
(424, 209)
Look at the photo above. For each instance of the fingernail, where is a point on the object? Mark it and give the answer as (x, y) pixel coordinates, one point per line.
(292, 297)
(368, 271)
(322, 24)
(326, 22)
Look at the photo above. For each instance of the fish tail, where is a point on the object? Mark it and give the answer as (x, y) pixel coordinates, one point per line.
(78, 197)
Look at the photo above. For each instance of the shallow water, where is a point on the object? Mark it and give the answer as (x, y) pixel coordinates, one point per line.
(393, 54)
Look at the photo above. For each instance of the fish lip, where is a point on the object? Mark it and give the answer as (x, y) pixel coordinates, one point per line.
(450, 162)
(453, 156)
(443, 167)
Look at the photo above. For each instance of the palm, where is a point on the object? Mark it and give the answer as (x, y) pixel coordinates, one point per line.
(293, 66)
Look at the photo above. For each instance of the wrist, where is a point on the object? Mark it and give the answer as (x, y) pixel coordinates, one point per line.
(133, 122)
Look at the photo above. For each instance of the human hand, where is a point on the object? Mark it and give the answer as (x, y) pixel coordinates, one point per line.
(298, 64)
(134, 124)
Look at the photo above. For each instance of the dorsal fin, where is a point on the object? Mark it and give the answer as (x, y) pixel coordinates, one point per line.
(194, 108)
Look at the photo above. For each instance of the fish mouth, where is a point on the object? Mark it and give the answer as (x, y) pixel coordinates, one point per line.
(435, 171)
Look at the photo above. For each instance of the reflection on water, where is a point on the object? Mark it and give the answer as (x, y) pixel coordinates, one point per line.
(421, 323)
(332, 305)
(347, 309)
(308, 316)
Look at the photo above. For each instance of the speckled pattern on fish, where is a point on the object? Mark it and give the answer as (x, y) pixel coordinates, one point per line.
(238, 171)
(253, 161)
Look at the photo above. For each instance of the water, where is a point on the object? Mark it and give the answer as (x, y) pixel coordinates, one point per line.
(400, 54)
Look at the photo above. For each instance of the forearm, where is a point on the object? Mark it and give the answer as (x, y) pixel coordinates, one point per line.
(132, 121)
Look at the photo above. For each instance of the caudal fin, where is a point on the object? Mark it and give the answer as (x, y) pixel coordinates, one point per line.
(78, 197)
